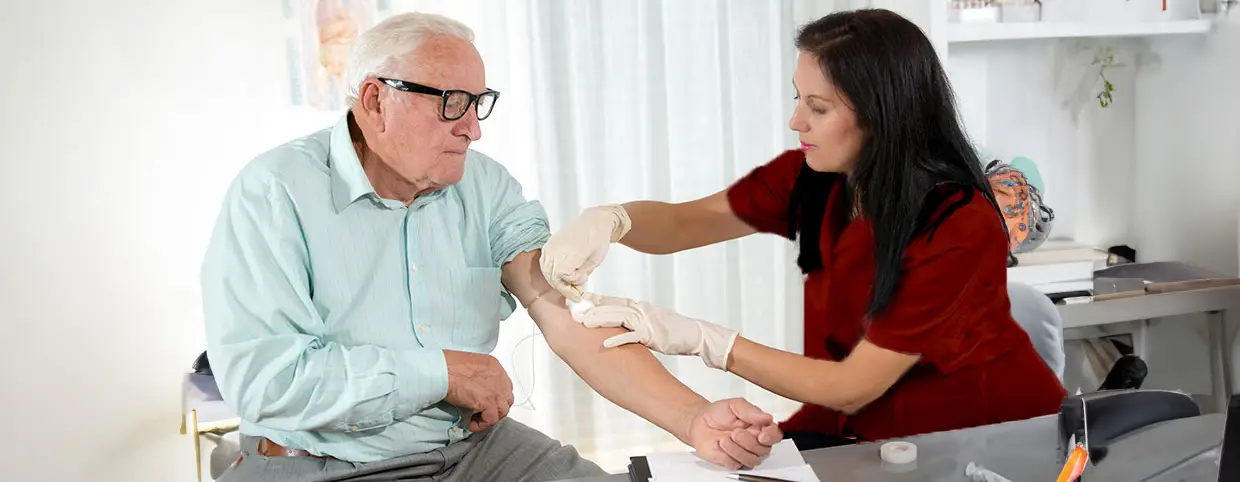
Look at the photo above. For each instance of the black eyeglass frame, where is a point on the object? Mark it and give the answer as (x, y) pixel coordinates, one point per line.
(416, 88)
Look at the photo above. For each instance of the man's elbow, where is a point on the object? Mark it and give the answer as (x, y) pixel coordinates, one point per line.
(260, 403)
(247, 402)
(253, 407)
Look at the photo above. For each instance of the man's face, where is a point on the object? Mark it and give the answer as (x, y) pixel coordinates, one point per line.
(415, 140)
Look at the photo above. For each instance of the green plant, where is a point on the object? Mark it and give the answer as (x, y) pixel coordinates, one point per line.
(1104, 60)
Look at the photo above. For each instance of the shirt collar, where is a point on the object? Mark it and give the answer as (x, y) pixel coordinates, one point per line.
(349, 181)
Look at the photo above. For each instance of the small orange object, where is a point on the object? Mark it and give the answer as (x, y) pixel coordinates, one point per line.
(1076, 464)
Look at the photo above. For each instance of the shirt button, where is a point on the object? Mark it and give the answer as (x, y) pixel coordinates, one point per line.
(421, 328)
(413, 268)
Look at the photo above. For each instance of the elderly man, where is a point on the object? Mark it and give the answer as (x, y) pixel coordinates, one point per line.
(355, 282)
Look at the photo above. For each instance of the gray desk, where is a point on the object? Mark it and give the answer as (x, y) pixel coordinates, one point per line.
(1180, 450)
(1221, 307)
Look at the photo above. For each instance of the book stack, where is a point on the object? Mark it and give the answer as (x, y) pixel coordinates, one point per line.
(1059, 267)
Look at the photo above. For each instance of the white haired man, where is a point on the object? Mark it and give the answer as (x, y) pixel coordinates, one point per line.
(356, 278)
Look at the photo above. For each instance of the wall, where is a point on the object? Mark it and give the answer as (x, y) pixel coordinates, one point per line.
(1011, 96)
(121, 124)
(1188, 135)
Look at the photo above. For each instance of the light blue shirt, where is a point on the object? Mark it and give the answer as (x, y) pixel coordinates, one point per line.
(327, 308)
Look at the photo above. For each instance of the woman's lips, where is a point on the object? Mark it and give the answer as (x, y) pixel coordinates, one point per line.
(806, 147)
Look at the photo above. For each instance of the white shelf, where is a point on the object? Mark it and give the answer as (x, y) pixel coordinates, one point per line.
(988, 32)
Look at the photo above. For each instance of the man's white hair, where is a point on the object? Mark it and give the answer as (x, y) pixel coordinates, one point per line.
(381, 50)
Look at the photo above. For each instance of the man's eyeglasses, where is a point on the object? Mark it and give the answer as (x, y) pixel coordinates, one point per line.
(455, 102)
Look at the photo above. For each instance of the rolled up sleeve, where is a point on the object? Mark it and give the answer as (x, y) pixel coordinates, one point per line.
(520, 226)
(265, 337)
(515, 225)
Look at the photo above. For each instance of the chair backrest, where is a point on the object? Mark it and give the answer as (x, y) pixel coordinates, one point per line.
(1036, 314)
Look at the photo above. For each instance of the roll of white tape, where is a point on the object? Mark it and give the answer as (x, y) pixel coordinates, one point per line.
(898, 452)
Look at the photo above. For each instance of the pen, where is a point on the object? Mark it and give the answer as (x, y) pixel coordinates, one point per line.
(757, 478)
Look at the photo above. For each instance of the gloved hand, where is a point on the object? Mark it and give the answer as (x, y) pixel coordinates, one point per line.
(572, 254)
(662, 330)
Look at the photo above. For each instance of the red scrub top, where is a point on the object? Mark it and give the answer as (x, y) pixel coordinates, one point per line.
(977, 365)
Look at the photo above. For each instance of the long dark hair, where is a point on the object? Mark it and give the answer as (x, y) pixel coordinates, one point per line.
(890, 76)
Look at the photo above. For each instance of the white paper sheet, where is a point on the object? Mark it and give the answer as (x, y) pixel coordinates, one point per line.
(784, 462)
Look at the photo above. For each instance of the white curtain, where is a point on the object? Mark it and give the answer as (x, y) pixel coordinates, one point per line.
(612, 101)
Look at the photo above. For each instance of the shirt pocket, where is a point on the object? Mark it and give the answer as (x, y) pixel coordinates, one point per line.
(476, 301)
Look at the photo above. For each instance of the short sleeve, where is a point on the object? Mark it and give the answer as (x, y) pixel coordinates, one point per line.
(949, 282)
(762, 198)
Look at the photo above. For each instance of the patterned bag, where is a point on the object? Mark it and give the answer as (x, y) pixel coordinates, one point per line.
(1028, 220)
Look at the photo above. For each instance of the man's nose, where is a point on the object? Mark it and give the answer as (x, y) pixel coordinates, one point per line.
(468, 125)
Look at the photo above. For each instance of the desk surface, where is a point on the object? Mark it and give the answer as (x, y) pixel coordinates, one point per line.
(1149, 306)
(1153, 305)
(1179, 450)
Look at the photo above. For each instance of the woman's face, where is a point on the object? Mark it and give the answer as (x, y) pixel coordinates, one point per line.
(824, 120)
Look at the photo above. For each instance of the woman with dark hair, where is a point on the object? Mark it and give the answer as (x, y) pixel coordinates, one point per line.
(907, 321)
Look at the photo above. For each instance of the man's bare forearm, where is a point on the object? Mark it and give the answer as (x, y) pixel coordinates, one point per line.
(629, 376)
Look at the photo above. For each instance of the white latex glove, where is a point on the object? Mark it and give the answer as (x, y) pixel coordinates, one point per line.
(662, 330)
(572, 254)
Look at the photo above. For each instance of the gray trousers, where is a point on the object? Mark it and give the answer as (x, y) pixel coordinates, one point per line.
(508, 452)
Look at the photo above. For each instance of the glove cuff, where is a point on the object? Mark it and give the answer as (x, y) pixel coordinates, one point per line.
(717, 343)
(621, 223)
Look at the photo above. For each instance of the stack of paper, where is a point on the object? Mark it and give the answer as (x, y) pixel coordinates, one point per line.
(784, 462)
(1059, 266)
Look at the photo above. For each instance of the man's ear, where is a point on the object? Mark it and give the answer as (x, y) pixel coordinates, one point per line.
(369, 105)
